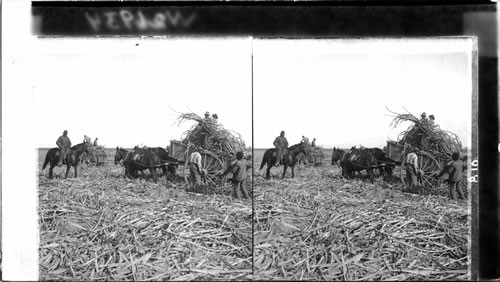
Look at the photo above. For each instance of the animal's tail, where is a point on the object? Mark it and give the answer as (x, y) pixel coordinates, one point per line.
(46, 162)
(263, 163)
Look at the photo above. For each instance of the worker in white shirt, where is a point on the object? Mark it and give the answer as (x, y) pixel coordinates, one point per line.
(412, 168)
(195, 169)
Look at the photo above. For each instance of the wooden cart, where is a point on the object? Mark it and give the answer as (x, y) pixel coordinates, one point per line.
(97, 157)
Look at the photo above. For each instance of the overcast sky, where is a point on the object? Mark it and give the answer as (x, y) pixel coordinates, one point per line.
(126, 91)
(337, 90)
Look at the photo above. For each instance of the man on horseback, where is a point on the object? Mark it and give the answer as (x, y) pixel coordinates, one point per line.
(64, 145)
(281, 145)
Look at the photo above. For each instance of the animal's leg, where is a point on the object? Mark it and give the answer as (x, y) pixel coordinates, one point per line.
(76, 173)
(370, 174)
(284, 171)
(268, 172)
(67, 171)
(51, 170)
(153, 173)
(293, 171)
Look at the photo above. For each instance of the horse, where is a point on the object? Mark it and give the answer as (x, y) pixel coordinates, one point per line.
(337, 155)
(358, 160)
(164, 158)
(71, 160)
(289, 159)
(121, 154)
(141, 159)
(379, 154)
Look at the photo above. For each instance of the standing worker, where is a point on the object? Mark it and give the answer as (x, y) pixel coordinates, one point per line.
(86, 139)
(412, 169)
(207, 117)
(95, 142)
(423, 117)
(313, 144)
(64, 145)
(195, 169)
(431, 119)
(455, 172)
(281, 145)
(305, 140)
(239, 170)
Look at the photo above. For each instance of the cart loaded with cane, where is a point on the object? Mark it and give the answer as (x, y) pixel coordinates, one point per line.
(216, 145)
(435, 147)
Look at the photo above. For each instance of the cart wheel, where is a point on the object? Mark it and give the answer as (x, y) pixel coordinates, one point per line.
(84, 160)
(213, 165)
(430, 166)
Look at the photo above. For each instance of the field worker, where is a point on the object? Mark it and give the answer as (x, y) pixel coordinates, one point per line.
(194, 169)
(305, 140)
(431, 119)
(313, 144)
(412, 168)
(423, 117)
(64, 145)
(281, 145)
(215, 118)
(86, 139)
(455, 172)
(207, 117)
(95, 141)
(239, 170)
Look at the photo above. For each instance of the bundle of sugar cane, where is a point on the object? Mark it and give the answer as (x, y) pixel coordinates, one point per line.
(427, 136)
(219, 139)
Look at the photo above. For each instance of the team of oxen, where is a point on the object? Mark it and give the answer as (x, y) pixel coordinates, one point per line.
(140, 159)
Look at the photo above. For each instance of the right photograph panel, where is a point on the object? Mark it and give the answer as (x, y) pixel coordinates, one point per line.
(361, 156)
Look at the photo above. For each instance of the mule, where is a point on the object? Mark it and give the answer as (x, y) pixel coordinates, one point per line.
(379, 154)
(358, 160)
(289, 159)
(337, 156)
(131, 170)
(71, 160)
(120, 155)
(164, 158)
(141, 159)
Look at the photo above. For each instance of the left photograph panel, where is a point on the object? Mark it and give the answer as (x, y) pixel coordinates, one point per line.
(144, 157)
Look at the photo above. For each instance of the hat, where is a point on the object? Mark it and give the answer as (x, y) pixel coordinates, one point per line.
(431, 116)
(423, 114)
(207, 113)
(215, 116)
